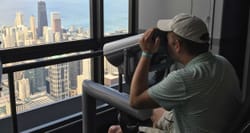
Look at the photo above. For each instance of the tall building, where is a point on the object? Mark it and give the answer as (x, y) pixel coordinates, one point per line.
(75, 69)
(33, 26)
(29, 39)
(36, 79)
(42, 17)
(86, 68)
(80, 79)
(4, 100)
(9, 37)
(86, 74)
(48, 35)
(56, 22)
(21, 32)
(23, 89)
(19, 19)
(58, 37)
(59, 81)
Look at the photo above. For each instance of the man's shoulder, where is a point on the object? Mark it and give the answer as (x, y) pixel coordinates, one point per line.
(224, 61)
(221, 58)
(181, 72)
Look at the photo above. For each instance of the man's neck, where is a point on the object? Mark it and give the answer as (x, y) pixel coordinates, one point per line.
(186, 58)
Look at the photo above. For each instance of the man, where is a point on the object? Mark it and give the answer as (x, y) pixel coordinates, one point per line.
(204, 95)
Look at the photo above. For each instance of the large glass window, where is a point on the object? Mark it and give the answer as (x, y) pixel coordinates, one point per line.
(115, 23)
(115, 17)
(25, 22)
(45, 85)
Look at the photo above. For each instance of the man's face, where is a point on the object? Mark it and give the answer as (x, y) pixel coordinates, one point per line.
(171, 45)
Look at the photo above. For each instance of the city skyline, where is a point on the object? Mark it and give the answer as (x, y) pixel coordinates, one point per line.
(28, 8)
(75, 12)
(41, 86)
(39, 31)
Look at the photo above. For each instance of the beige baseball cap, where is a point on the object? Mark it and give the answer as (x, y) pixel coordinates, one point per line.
(186, 26)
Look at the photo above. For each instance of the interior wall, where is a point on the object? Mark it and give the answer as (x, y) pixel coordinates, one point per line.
(218, 18)
(152, 10)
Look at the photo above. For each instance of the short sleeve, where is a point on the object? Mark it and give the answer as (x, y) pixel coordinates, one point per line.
(169, 92)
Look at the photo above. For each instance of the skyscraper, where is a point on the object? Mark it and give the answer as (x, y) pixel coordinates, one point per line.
(9, 37)
(42, 17)
(75, 69)
(80, 79)
(86, 68)
(23, 89)
(33, 26)
(4, 100)
(59, 81)
(19, 19)
(36, 79)
(21, 31)
(48, 35)
(58, 37)
(56, 22)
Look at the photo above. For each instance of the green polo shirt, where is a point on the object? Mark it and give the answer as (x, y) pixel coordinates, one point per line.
(204, 95)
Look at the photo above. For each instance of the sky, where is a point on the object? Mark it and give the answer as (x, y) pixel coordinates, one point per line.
(72, 12)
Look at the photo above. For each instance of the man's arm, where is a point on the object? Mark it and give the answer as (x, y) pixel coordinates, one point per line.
(139, 97)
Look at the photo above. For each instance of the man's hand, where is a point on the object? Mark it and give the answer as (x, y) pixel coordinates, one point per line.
(157, 114)
(147, 44)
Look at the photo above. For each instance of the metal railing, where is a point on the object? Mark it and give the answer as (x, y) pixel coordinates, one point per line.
(120, 100)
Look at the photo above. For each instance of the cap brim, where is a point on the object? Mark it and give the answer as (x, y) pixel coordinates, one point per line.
(165, 24)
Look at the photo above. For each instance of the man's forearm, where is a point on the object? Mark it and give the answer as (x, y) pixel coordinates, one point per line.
(140, 79)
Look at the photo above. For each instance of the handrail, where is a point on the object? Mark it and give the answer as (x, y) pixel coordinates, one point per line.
(47, 62)
(9, 55)
(93, 91)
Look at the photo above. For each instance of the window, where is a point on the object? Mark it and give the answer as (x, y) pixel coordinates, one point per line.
(45, 85)
(59, 84)
(115, 17)
(28, 23)
(115, 23)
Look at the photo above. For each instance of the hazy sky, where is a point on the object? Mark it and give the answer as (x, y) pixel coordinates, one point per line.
(8, 9)
(72, 11)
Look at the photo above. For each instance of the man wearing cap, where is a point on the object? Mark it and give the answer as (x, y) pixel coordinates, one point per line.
(204, 96)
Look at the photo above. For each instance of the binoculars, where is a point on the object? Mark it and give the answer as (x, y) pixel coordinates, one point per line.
(125, 53)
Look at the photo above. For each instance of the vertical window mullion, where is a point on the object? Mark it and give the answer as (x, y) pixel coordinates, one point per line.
(97, 33)
(133, 16)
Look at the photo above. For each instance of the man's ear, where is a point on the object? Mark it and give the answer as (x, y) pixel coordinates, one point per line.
(177, 46)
